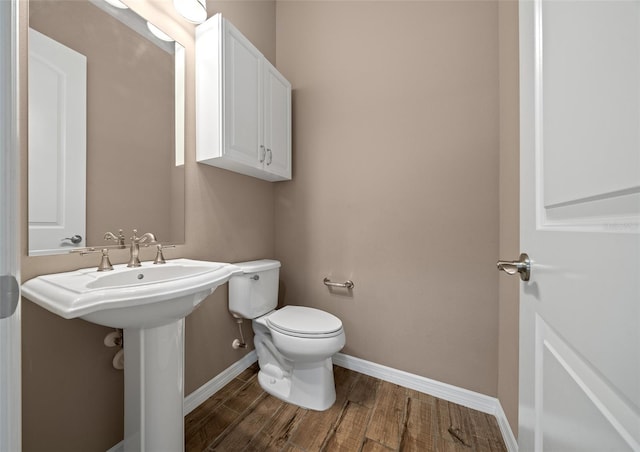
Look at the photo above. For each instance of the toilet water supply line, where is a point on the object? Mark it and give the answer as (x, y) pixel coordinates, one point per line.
(116, 339)
(239, 343)
(259, 344)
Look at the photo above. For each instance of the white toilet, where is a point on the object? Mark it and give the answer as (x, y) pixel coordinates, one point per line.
(294, 344)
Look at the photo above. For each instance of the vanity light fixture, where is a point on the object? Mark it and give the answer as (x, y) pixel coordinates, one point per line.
(117, 4)
(193, 10)
(158, 33)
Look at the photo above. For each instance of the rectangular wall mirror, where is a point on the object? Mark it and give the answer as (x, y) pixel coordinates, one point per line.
(106, 126)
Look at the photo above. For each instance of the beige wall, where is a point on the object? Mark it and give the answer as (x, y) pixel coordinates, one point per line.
(396, 138)
(400, 111)
(509, 244)
(72, 397)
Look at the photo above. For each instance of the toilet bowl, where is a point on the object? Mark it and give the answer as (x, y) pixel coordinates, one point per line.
(294, 344)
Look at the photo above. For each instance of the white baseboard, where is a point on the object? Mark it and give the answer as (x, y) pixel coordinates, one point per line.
(461, 396)
(118, 447)
(505, 428)
(197, 397)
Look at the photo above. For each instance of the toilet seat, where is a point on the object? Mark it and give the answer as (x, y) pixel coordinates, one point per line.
(300, 321)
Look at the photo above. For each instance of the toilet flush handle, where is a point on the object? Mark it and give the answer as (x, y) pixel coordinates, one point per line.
(255, 277)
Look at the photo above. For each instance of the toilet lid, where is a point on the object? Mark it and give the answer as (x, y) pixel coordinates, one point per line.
(301, 320)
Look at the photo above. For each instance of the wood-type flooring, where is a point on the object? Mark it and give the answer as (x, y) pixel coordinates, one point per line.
(369, 415)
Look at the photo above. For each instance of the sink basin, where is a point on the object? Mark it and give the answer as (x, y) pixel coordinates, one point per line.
(140, 297)
(149, 303)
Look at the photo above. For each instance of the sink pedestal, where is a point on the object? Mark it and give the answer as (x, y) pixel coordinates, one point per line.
(149, 303)
(154, 388)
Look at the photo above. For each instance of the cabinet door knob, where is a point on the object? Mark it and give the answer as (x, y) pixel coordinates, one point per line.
(270, 156)
(263, 153)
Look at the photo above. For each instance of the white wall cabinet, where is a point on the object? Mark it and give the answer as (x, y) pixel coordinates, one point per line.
(243, 105)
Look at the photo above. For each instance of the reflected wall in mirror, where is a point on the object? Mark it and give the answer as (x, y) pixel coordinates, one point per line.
(106, 106)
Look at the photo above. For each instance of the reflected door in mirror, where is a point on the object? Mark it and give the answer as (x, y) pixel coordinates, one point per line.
(57, 145)
(134, 123)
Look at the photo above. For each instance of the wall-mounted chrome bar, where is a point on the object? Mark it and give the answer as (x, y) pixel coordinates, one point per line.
(348, 284)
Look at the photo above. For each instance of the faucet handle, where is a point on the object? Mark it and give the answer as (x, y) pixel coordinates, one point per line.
(105, 263)
(119, 238)
(159, 255)
(83, 251)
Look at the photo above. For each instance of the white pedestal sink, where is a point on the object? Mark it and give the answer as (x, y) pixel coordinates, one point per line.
(149, 303)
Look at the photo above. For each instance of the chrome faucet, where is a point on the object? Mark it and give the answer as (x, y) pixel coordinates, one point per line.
(145, 239)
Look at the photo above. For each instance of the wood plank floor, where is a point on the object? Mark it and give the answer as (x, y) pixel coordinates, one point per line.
(369, 415)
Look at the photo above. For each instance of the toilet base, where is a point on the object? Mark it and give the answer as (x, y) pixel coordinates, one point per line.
(309, 385)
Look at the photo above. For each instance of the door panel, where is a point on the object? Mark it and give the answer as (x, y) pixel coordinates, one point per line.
(10, 401)
(574, 415)
(242, 98)
(277, 117)
(590, 64)
(580, 210)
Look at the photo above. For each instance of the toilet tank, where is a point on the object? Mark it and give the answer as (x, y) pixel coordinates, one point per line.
(255, 292)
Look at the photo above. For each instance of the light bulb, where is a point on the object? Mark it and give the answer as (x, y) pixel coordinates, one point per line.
(117, 4)
(158, 33)
(193, 10)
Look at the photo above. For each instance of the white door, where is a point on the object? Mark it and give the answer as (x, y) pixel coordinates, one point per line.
(57, 145)
(277, 123)
(10, 408)
(580, 225)
(242, 99)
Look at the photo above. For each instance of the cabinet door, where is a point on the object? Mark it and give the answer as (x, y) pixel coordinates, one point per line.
(242, 99)
(277, 123)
